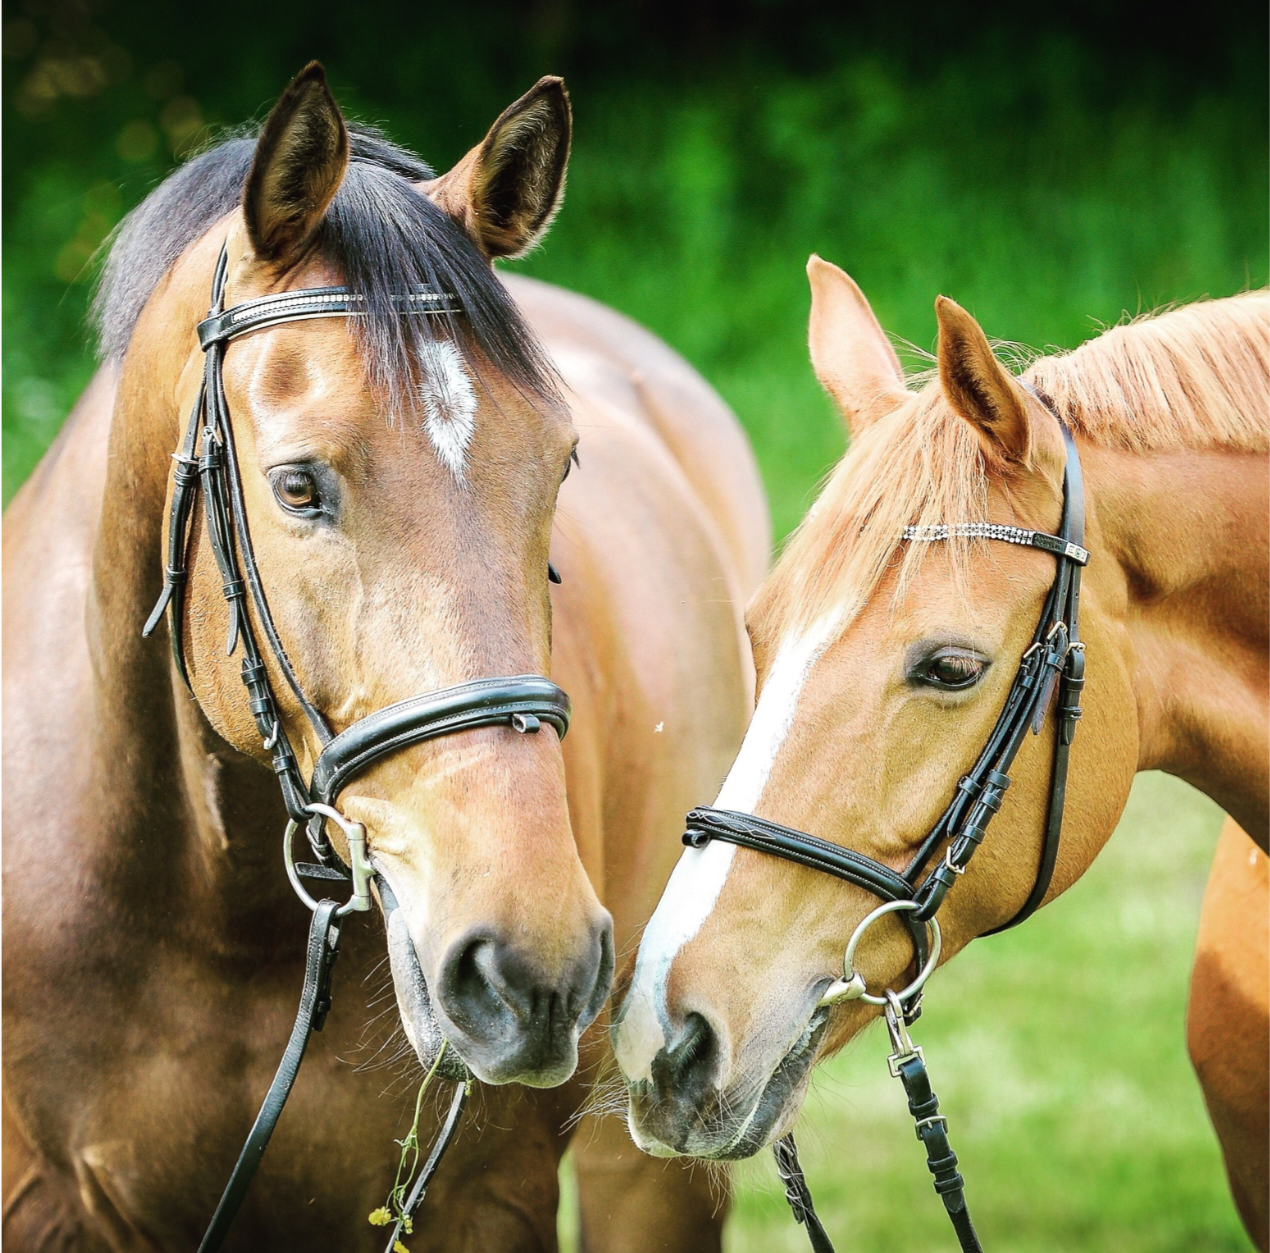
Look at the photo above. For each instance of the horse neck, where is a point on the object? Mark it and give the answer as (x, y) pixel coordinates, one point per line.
(1189, 533)
(168, 781)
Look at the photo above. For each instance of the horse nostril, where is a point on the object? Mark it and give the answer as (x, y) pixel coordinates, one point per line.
(687, 1068)
(472, 988)
(593, 992)
(517, 1017)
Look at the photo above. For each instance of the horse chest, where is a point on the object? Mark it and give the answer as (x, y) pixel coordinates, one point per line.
(169, 1068)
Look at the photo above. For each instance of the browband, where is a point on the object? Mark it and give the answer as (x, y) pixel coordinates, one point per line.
(312, 302)
(1055, 544)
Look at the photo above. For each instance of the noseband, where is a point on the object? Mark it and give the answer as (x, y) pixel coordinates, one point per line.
(1055, 658)
(207, 462)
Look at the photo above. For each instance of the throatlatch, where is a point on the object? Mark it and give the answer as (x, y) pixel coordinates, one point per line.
(1055, 658)
(207, 462)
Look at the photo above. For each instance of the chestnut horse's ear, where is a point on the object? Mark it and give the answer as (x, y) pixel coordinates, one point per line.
(850, 352)
(979, 388)
(506, 191)
(300, 160)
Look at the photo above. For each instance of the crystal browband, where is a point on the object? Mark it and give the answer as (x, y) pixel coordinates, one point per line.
(936, 531)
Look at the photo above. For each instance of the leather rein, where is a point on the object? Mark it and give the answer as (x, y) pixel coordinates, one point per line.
(1055, 658)
(206, 464)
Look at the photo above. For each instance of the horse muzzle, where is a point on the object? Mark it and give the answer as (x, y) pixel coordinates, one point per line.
(505, 1019)
(686, 1109)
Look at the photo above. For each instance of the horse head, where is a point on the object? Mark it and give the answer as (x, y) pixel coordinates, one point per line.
(399, 480)
(883, 668)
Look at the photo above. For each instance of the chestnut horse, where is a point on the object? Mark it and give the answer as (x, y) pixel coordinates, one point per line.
(883, 665)
(401, 482)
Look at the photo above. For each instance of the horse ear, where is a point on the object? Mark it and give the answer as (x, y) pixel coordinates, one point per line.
(979, 388)
(850, 352)
(300, 160)
(506, 191)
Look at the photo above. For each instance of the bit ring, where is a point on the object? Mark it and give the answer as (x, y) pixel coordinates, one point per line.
(360, 865)
(851, 987)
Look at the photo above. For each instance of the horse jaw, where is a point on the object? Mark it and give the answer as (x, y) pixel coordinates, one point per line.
(414, 1004)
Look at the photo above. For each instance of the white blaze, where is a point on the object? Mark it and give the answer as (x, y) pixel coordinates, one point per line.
(699, 877)
(449, 404)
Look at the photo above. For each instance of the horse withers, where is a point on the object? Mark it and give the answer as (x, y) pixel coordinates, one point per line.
(885, 661)
(402, 483)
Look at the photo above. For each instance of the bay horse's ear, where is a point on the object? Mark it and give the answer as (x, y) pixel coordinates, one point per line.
(979, 388)
(506, 190)
(850, 352)
(300, 160)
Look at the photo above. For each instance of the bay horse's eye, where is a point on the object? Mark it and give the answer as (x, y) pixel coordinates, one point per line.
(296, 490)
(953, 669)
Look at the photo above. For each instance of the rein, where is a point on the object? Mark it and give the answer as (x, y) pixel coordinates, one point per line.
(1055, 658)
(206, 463)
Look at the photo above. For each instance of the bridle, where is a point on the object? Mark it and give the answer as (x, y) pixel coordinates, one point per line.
(1055, 657)
(207, 463)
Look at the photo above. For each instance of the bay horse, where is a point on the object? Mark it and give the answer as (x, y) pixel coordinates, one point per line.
(405, 489)
(883, 663)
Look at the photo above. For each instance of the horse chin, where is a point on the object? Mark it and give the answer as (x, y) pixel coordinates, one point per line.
(415, 1004)
(718, 1137)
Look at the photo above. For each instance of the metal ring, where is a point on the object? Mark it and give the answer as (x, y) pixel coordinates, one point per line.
(354, 832)
(851, 987)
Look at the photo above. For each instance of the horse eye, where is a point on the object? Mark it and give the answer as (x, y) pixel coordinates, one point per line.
(296, 490)
(953, 669)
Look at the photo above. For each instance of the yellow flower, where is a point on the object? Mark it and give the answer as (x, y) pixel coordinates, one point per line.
(398, 1247)
(380, 1217)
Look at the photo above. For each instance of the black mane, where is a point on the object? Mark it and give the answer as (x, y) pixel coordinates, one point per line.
(380, 233)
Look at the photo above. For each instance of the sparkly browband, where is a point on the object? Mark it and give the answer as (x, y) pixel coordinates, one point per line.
(992, 530)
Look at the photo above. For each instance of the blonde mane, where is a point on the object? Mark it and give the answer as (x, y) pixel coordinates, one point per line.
(1193, 378)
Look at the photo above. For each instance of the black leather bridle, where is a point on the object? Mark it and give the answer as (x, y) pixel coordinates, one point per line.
(207, 463)
(1055, 657)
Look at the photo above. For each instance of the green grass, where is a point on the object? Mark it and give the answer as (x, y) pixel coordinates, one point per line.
(1058, 1054)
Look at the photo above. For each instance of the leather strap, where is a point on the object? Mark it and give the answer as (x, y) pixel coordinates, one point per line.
(798, 1194)
(315, 1001)
(522, 702)
(308, 303)
(941, 1161)
(420, 1186)
(528, 698)
(1071, 684)
(705, 824)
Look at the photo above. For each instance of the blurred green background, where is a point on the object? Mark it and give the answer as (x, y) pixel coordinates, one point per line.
(1051, 167)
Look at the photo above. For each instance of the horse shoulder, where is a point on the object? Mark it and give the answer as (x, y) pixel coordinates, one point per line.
(49, 533)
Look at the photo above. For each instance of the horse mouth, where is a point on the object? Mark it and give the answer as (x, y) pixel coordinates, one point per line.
(716, 1132)
(414, 1002)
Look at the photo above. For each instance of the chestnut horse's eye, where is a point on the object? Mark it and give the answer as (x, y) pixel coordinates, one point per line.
(296, 490)
(953, 669)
